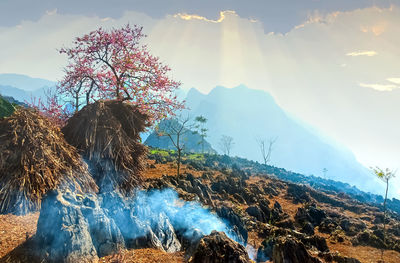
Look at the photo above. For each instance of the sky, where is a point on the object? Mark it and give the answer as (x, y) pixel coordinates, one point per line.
(332, 64)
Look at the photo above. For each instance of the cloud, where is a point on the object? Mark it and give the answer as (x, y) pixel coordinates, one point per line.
(376, 29)
(380, 87)
(394, 80)
(222, 16)
(368, 53)
(51, 12)
(304, 69)
(275, 16)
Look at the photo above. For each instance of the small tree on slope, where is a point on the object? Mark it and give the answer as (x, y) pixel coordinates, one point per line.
(384, 175)
(175, 130)
(226, 144)
(201, 130)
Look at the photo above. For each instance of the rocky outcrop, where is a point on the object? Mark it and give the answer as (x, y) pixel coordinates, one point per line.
(310, 214)
(289, 250)
(73, 228)
(65, 235)
(218, 248)
(336, 257)
(235, 221)
(285, 244)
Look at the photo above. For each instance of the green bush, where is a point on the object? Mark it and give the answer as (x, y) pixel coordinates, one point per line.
(6, 108)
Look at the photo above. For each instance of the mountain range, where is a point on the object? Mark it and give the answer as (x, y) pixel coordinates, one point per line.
(249, 115)
(23, 88)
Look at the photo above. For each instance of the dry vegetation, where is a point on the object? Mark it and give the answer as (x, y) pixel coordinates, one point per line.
(34, 158)
(107, 133)
(144, 256)
(14, 230)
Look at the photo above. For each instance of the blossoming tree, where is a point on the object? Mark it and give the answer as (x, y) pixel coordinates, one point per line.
(111, 64)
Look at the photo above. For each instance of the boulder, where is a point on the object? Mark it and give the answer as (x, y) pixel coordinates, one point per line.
(278, 206)
(235, 221)
(308, 229)
(367, 238)
(310, 214)
(218, 248)
(264, 252)
(352, 226)
(315, 241)
(299, 193)
(328, 226)
(141, 227)
(289, 250)
(75, 229)
(165, 233)
(336, 257)
(106, 236)
(286, 223)
(256, 212)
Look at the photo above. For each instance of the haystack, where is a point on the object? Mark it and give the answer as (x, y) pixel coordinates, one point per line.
(35, 158)
(108, 135)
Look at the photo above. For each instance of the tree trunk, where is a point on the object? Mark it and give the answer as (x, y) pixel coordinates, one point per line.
(76, 103)
(384, 219)
(179, 162)
(384, 212)
(179, 154)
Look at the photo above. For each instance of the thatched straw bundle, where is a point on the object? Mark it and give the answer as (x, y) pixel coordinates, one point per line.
(108, 135)
(34, 158)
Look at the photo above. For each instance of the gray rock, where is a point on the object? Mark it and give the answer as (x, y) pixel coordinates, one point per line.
(165, 232)
(62, 230)
(105, 234)
(289, 250)
(218, 248)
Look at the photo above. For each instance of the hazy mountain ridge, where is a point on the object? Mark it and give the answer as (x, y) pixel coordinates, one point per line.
(246, 114)
(24, 88)
(25, 82)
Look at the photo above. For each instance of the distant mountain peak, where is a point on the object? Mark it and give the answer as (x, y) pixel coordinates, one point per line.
(247, 114)
(24, 82)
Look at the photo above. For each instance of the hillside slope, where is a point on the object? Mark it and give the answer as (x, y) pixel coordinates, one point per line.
(268, 213)
(247, 114)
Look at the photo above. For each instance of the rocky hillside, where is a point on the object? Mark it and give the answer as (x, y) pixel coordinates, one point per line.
(271, 219)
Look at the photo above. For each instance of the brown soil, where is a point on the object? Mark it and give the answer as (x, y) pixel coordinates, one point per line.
(14, 230)
(365, 254)
(146, 255)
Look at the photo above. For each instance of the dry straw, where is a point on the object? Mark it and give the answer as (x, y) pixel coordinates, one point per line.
(34, 158)
(108, 135)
